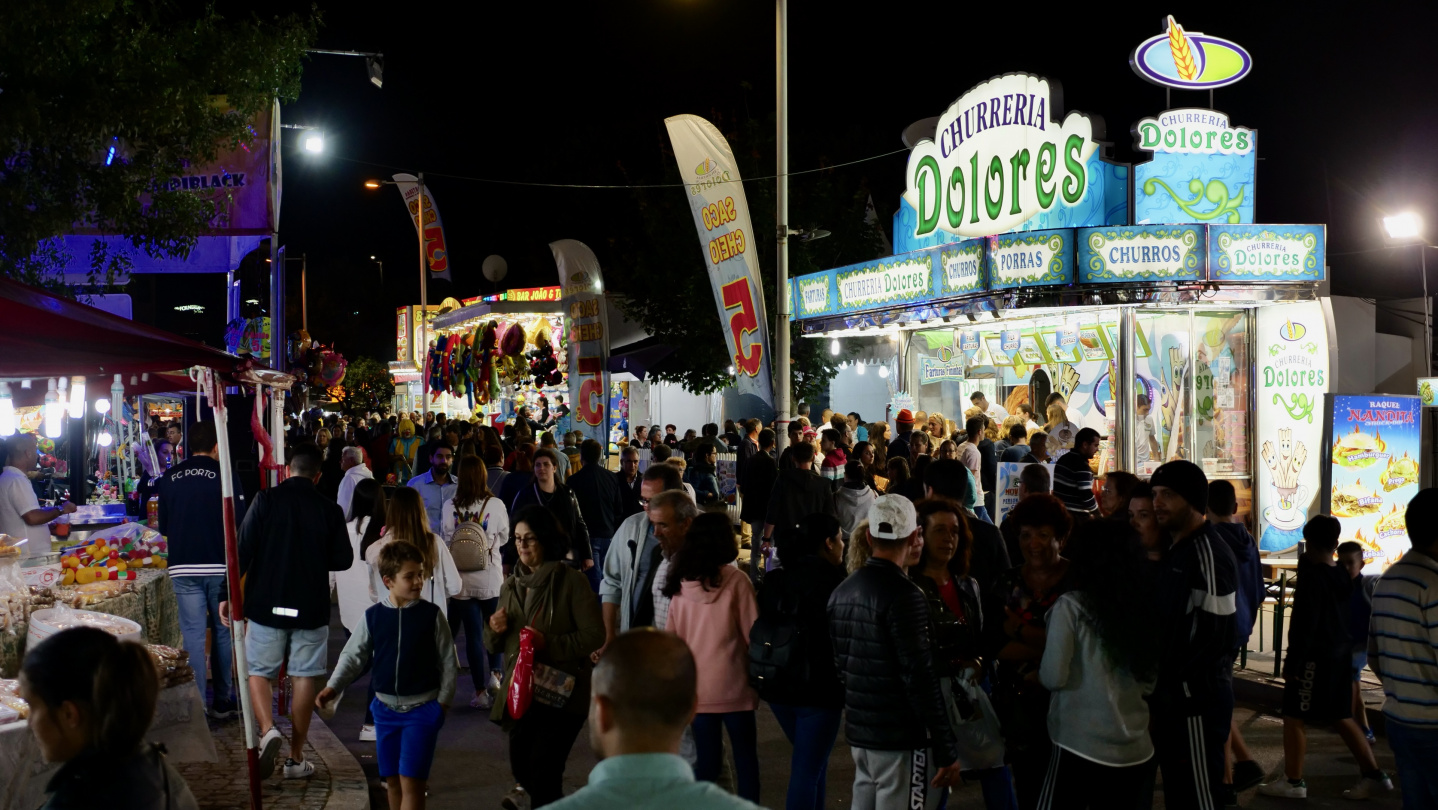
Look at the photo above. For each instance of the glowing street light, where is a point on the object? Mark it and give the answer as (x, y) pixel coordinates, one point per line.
(1404, 226)
(314, 142)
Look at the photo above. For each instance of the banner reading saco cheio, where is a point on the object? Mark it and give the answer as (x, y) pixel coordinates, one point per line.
(721, 215)
(431, 229)
(582, 294)
(998, 158)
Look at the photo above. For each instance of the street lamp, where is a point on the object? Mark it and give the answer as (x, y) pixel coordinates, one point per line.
(381, 265)
(1407, 228)
(421, 339)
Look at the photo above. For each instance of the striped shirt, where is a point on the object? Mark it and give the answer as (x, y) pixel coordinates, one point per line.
(1403, 639)
(1073, 483)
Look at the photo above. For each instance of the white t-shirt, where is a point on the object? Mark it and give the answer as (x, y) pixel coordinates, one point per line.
(997, 412)
(17, 497)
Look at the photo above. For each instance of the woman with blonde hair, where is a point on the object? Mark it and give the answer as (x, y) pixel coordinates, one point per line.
(934, 426)
(1060, 430)
(406, 520)
(859, 549)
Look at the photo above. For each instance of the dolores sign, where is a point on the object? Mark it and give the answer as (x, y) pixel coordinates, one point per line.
(998, 159)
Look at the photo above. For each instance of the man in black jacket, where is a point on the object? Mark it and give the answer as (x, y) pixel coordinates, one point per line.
(290, 541)
(756, 482)
(896, 722)
(601, 500)
(798, 493)
(192, 516)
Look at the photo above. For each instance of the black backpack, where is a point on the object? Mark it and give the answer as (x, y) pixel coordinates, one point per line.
(778, 660)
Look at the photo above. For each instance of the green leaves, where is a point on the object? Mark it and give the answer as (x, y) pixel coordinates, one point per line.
(159, 76)
(367, 386)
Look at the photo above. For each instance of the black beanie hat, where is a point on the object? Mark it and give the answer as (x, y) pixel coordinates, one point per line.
(1185, 478)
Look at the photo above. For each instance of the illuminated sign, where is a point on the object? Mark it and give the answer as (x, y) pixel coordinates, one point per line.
(905, 279)
(1202, 170)
(961, 267)
(1030, 258)
(1188, 60)
(523, 294)
(1140, 253)
(1266, 252)
(999, 157)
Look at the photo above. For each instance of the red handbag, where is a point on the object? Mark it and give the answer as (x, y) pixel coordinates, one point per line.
(521, 685)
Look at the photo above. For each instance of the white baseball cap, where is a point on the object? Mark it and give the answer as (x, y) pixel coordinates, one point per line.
(892, 517)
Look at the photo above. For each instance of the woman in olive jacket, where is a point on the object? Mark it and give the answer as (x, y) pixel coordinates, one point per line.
(556, 602)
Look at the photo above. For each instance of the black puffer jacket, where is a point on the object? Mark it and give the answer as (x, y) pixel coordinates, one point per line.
(805, 585)
(879, 621)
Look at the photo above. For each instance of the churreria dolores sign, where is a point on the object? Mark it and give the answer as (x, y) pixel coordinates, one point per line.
(998, 158)
(1190, 60)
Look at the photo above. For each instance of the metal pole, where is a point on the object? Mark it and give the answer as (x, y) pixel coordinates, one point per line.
(304, 293)
(1427, 316)
(277, 300)
(423, 341)
(781, 271)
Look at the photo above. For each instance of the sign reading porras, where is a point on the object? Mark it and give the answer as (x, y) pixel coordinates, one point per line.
(999, 158)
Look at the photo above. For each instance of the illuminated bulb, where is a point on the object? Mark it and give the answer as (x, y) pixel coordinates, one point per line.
(25, 385)
(53, 411)
(102, 406)
(859, 367)
(7, 411)
(105, 438)
(883, 372)
(77, 397)
(834, 347)
(731, 370)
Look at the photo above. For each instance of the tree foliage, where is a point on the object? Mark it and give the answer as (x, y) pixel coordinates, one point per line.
(367, 387)
(174, 82)
(664, 277)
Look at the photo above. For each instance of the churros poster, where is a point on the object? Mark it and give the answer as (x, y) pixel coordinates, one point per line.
(1291, 343)
(1372, 464)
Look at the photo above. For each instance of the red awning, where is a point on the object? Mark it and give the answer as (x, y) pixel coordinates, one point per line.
(44, 336)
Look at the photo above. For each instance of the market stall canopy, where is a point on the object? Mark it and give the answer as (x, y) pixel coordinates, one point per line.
(45, 336)
(640, 359)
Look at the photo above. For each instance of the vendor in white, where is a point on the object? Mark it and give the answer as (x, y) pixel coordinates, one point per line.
(993, 411)
(1145, 446)
(352, 463)
(21, 515)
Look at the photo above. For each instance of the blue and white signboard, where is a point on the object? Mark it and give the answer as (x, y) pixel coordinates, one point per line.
(1266, 253)
(1141, 253)
(1030, 259)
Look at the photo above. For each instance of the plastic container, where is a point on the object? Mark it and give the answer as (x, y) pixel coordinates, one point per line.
(49, 621)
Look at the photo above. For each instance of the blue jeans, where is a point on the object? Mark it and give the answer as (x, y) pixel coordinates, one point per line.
(982, 513)
(199, 599)
(997, 785)
(1415, 748)
(599, 546)
(812, 731)
(743, 739)
(474, 614)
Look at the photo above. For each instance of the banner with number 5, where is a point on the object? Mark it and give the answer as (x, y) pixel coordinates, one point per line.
(585, 319)
(726, 235)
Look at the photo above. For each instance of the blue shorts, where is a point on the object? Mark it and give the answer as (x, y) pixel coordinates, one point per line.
(265, 647)
(404, 741)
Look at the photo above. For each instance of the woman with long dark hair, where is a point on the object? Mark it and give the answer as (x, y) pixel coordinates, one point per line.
(956, 616)
(1015, 635)
(703, 476)
(1099, 663)
(556, 603)
(545, 490)
(478, 597)
(92, 698)
(712, 608)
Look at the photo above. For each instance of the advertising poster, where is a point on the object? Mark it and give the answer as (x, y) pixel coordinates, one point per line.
(1373, 471)
(726, 235)
(726, 466)
(427, 222)
(1009, 472)
(1291, 341)
(1428, 391)
(582, 283)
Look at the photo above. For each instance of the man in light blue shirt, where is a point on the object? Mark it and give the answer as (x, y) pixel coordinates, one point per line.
(643, 698)
(436, 486)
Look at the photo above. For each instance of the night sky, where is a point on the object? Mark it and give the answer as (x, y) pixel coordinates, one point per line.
(576, 93)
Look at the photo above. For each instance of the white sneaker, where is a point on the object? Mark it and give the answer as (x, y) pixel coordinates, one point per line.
(515, 799)
(481, 700)
(367, 732)
(496, 682)
(269, 749)
(1368, 787)
(1284, 789)
(299, 770)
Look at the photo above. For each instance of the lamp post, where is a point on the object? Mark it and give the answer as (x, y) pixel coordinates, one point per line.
(381, 270)
(420, 337)
(1407, 228)
(781, 270)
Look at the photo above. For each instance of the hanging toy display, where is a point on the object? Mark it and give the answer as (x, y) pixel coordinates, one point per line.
(488, 371)
(542, 363)
(511, 351)
(332, 368)
(432, 365)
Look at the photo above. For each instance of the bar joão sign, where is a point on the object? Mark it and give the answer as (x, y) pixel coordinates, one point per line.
(998, 158)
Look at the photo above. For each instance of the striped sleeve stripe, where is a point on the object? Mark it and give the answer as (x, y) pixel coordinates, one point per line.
(1399, 597)
(1410, 701)
(1405, 619)
(1396, 637)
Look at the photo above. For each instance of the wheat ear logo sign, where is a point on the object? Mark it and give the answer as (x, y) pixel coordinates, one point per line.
(1189, 60)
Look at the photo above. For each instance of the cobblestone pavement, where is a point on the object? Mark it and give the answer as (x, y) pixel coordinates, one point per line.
(338, 782)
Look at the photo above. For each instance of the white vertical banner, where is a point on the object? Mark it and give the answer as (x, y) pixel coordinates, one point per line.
(431, 228)
(726, 235)
(586, 321)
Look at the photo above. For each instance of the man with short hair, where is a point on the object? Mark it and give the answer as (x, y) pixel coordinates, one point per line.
(629, 567)
(561, 470)
(1192, 705)
(1018, 444)
(1403, 652)
(671, 513)
(970, 456)
(355, 471)
(289, 542)
(895, 721)
(709, 435)
(748, 443)
(671, 436)
(192, 516)
(629, 480)
(1145, 444)
(756, 484)
(798, 493)
(437, 485)
(995, 411)
(21, 515)
(434, 434)
(947, 478)
(601, 500)
(642, 699)
(1073, 478)
(1249, 593)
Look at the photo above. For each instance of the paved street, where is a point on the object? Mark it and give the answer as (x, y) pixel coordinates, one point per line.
(471, 767)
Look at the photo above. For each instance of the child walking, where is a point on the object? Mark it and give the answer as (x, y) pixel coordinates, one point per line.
(1317, 672)
(414, 674)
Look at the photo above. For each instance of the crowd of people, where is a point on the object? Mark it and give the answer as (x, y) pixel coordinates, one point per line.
(1064, 658)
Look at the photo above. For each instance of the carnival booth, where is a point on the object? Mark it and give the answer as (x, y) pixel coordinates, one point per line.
(1146, 296)
(103, 567)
